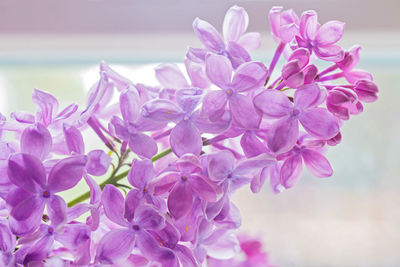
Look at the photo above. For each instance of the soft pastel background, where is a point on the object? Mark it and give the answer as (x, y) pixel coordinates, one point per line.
(350, 219)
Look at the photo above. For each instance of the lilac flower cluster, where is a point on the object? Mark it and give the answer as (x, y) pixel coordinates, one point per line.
(185, 147)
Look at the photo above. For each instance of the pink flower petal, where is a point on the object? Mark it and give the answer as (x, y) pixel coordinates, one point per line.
(283, 135)
(113, 203)
(180, 199)
(235, 23)
(66, 173)
(330, 33)
(291, 171)
(115, 246)
(214, 103)
(27, 172)
(243, 112)
(316, 163)
(208, 35)
(36, 140)
(273, 104)
(170, 76)
(320, 123)
(185, 138)
(219, 70)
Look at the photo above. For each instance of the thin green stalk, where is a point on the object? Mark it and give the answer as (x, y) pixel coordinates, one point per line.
(113, 179)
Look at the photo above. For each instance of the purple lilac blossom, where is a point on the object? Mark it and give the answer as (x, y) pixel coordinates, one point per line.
(226, 126)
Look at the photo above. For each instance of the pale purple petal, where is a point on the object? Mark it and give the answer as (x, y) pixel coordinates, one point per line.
(115, 246)
(66, 173)
(316, 163)
(208, 35)
(220, 165)
(252, 165)
(148, 218)
(249, 76)
(332, 53)
(188, 99)
(235, 23)
(320, 123)
(73, 139)
(204, 124)
(309, 24)
(36, 140)
(273, 104)
(222, 244)
(40, 250)
(237, 55)
(98, 162)
(27, 172)
(291, 171)
(57, 209)
(214, 104)
(180, 200)
(186, 257)
(133, 199)
(283, 134)
(202, 188)
(141, 173)
(129, 102)
(152, 250)
(366, 90)
(47, 106)
(188, 164)
(170, 76)
(309, 96)
(143, 145)
(161, 110)
(7, 239)
(74, 235)
(22, 116)
(330, 33)
(250, 41)
(243, 112)
(117, 126)
(113, 203)
(219, 70)
(356, 75)
(26, 216)
(251, 145)
(197, 74)
(302, 55)
(185, 138)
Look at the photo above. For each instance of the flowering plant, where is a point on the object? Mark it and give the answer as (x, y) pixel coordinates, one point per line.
(185, 147)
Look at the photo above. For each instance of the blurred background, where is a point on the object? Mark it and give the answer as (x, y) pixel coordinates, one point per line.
(350, 219)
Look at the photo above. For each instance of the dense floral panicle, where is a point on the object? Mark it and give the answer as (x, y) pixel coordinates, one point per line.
(221, 125)
(236, 43)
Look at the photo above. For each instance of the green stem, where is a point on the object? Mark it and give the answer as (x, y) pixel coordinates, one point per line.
(113, 179)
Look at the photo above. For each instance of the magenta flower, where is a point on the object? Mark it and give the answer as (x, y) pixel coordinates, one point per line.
(185, 136)
(35, 189)
(222, 169)
(366, 90)
(283, 134)
(98, 161)
(118, 244)
(236, 44)
(320, 39)
(186, 183)
(296, 72)
(308, 152)
(169, 237)
(247, 77)
(131, 128)
(342, 102)
(140, 176)
(284, 25)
